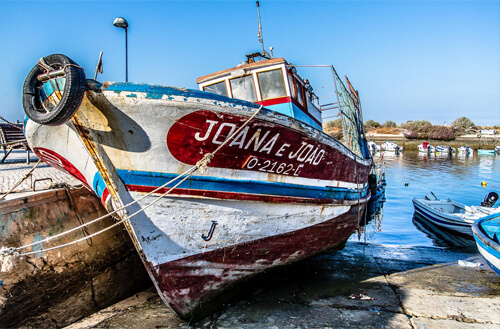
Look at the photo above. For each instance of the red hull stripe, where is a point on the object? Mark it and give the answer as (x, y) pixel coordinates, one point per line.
(275, 101)
(287, 99)
(231, 195)
(104, 196)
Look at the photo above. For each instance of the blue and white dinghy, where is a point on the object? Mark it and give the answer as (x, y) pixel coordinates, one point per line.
(453, 215)
(487, 233)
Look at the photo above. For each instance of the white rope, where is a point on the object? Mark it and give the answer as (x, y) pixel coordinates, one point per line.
(201, 165)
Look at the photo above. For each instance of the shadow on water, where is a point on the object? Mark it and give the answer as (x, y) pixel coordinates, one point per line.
(441, 237)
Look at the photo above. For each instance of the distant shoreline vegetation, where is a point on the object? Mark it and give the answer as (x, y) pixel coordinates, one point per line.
(418, 129)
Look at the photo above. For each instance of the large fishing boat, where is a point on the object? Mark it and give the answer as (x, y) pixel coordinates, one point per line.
(214, 185)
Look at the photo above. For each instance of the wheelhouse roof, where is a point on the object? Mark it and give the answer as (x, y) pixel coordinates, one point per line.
(248, 66)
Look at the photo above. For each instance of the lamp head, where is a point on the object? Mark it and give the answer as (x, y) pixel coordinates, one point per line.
(120, 22)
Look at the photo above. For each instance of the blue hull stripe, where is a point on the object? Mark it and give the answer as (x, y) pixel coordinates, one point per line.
(490, 251)
(98, 184)
(154, 179)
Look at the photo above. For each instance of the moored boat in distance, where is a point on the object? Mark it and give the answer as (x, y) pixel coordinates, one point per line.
(391, 147)
(465, 150)
(426, 147)
(486, 152)
(445, 149)
(373, 147)
(214, 185)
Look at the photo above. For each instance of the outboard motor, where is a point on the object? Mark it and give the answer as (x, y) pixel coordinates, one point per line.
(490, 199)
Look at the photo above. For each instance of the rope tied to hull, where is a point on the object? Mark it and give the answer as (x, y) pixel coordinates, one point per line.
(203, 163)
(8, 254)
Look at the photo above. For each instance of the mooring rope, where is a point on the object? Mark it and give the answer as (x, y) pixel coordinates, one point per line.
(6, 254)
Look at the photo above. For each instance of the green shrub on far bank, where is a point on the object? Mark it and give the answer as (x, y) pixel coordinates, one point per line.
(462, 124)
(389, 124)
(338, 135)
(371, 124)
(416, 126)
(333, 124)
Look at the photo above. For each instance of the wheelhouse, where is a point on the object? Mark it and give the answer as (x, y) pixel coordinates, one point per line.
(272, 83)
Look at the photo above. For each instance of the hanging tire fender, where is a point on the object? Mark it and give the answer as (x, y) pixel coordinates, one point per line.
(67, 93)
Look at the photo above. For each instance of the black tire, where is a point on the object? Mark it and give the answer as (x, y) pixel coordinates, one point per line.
(72, 96)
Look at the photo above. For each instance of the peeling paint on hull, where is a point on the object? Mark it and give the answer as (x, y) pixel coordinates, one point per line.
(203, 277)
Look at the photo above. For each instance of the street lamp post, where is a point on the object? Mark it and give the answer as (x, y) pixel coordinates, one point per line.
(123, 24)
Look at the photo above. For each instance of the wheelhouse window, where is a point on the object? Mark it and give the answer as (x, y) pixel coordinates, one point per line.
(292, 86)
(297, 90)
(218, 88)
(271, 84)
(300, 93)
(243, 88)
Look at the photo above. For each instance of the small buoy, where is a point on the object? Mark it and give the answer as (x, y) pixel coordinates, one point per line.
(483, 183)
(406, 184)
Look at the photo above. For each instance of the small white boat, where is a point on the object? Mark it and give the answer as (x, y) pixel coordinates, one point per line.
(426, 147)
(465, 150)
(373, 147)
(454, 215)
(391, 147)
(445, 149)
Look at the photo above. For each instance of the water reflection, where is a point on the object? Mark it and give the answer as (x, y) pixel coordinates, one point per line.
(375, 210)
(444, 238)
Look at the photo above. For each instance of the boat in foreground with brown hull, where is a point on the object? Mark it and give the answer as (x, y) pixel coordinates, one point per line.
(214, 185)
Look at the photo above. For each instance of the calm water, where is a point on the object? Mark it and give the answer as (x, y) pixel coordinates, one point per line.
(412, 175)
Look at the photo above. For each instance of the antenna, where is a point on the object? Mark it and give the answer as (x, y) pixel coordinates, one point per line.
(261, 38)
(98, 68)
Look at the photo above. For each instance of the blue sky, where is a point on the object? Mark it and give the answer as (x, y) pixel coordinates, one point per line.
(410, 60)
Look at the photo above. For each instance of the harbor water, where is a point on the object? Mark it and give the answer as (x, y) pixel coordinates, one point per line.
(413, 174)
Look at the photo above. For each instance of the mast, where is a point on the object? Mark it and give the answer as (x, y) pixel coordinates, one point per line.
(261, 38)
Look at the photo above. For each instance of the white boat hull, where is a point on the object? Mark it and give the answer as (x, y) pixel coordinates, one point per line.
(281, 191)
